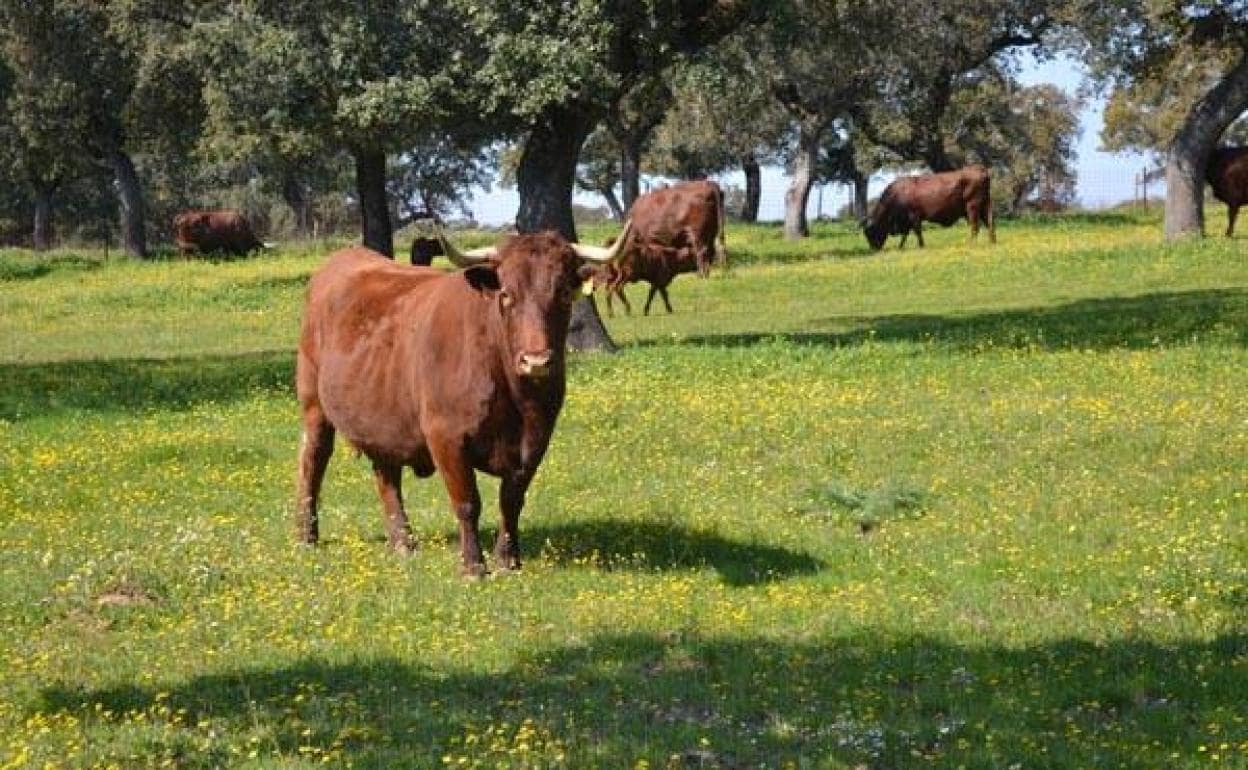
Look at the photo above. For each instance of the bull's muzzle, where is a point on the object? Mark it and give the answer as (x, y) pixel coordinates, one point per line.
(535, 365)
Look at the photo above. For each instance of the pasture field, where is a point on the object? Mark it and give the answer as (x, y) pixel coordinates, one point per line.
(971, 506)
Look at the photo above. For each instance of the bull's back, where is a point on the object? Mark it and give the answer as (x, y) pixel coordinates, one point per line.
(353, 361)
(943, 198)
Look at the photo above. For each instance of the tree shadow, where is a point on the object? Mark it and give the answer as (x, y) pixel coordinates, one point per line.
(131, 384)
(1139, 322)
(1067, 219)
(679, 699)
(27, 266)
(629, 544)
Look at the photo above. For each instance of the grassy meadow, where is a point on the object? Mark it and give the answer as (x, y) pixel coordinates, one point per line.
(970, 506)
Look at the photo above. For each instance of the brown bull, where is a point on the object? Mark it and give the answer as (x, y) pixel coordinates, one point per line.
(219, 231)
(687, 215)
(942, 198)
(455, 372)
(656, 265)
(1227, 173)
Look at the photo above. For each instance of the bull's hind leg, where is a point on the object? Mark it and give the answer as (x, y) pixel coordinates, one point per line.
(1231, 213)
(316, 447)
(510, 502)
(389, 478)
(461, 487)
(918, 232)
(666, 302)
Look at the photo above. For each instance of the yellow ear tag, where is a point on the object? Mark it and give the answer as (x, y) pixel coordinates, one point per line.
(587, 288)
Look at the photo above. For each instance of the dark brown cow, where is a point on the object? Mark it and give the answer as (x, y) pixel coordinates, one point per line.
(219, 231)
(424, 250)
(687, 215)
(1227, 173)
(454, 372)
(941, 198)
(649, 262)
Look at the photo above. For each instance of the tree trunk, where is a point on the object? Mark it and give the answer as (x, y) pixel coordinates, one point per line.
(630, 172)
(296, 197)
(753, 188)
(370, 186)
(41, 235)
(545, 179)
(613, 203)
(1192, 146)
(133, 212)
(795, 225)
(860, 196)
(935, 157)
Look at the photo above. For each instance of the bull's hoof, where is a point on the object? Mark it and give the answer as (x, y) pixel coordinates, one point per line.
(473, 572)
(507, 564)
(406, 547)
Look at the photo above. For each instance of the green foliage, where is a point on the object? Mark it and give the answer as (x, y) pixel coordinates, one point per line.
(1145, 113)
(1026, 134)
(721, 112)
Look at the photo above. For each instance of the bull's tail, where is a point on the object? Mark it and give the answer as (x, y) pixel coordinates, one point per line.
(992, 228)
(721, 246)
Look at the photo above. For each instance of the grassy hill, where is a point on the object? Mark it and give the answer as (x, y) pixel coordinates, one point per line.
(967, 506)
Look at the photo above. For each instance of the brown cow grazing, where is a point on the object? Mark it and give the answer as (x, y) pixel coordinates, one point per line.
(656, 265)
(1228, 176)
(941, 198)
(454, 372)
(219, 231)
(687, 215)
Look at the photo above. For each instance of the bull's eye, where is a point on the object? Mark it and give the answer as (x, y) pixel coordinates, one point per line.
(505, 299)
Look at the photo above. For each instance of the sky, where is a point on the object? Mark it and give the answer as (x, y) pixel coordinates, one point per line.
(1104, 179)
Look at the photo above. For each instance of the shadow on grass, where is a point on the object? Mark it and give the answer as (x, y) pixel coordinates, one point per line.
(28, 390)
(1101, 218)
(681, 700)
(26, 266)
(610, 544)
(1138, 322)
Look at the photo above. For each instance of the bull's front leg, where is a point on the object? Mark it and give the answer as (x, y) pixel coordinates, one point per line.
(649, 299)
(510, 502)
(619, 292)
(389, 478)
(918, 231)
(461, 487)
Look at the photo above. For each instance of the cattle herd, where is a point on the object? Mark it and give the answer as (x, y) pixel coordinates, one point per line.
(464, 371)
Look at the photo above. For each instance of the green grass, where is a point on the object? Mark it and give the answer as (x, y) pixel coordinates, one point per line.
(967, 506)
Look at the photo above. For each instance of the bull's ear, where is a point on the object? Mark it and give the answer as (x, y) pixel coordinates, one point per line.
(483, 278)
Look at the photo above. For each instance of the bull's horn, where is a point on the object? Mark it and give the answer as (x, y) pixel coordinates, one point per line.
(465, 258)
(600, 254)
